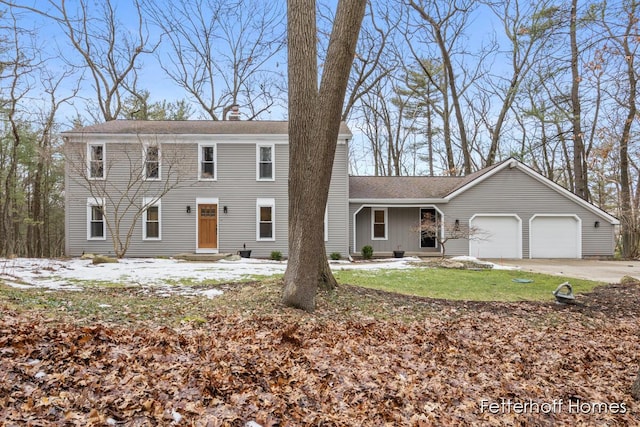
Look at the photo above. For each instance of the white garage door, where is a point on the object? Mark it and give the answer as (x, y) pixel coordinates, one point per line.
(555, 237)
(499, 236)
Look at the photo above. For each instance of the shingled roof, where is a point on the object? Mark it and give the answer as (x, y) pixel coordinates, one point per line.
(192, 127)
(410, 187)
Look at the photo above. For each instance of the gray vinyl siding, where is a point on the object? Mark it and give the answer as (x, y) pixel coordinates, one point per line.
(509, 191)
(401, 233)
(338, 204)
(504, 193)
(236, 188)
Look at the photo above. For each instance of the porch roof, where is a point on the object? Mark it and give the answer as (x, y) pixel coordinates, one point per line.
(401, 187)
(409, 187)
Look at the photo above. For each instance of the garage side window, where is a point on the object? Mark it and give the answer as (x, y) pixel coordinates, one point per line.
(379, 224)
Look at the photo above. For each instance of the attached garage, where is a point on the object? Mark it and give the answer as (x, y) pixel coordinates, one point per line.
(520, 213)
(555, 236)
(498, 236)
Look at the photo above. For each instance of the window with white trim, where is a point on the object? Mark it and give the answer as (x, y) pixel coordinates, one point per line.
(151, 162)
(207, 167)
(96, 224)
(265, 162)
(151, 219)
(95, 159)
(265, 219)
(379, 224)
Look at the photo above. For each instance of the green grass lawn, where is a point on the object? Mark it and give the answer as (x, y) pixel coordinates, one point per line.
(133, 304)
(473, 285)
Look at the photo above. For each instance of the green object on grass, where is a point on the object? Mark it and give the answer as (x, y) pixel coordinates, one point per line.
(522, 280)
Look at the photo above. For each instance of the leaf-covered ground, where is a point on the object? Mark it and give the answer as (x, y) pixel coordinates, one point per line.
(414, 361)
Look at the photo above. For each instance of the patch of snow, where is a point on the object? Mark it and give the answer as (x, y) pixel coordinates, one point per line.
(164, 277)
(211, 293)
(477, 261)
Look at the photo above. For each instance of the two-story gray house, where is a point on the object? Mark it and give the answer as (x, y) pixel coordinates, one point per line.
(189, 187)
(159, 188)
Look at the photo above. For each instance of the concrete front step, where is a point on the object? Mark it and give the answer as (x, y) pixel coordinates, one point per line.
(202, 257)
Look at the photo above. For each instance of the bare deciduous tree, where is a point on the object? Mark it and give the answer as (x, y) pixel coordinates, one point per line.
(108, 51)
(446, 23)
(623, 49)
(135, 183)
(314, 125)
(526, 30)
(433, 227)
(224, 53)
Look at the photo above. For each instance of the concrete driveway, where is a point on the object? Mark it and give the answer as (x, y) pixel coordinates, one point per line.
(598, 270)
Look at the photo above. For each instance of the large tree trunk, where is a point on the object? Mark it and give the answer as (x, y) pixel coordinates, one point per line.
(314, 124)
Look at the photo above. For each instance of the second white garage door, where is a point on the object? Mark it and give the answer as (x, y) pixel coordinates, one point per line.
(499, 236)
(555, 236)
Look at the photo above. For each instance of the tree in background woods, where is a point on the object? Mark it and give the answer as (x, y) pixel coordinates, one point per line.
(314, 124)
(138, 107)
(622, 47)
(438, 87)
(31, 207)
(220, 50)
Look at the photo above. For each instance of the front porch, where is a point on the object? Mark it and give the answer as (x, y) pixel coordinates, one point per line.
(389, 228)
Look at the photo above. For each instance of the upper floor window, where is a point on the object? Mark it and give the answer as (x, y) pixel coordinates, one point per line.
(265, 162)
(96, 158)
(152, 162)
(151, 219)
(96, 224)
(207, 162)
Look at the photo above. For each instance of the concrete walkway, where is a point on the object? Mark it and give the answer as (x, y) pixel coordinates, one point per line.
(601, 271)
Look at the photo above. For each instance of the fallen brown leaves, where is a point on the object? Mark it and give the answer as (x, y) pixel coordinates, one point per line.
(288, 368)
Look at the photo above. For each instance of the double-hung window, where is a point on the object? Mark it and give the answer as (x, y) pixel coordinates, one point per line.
(152, 162)
(265, 216)
(96, 159)
(96, 225)
(379, 224)
(265, 162)
(207, 162)
(151, 219)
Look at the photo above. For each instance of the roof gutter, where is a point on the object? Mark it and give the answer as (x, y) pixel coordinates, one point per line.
(399, 202)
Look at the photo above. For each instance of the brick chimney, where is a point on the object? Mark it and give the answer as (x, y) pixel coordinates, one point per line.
(234, 114)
